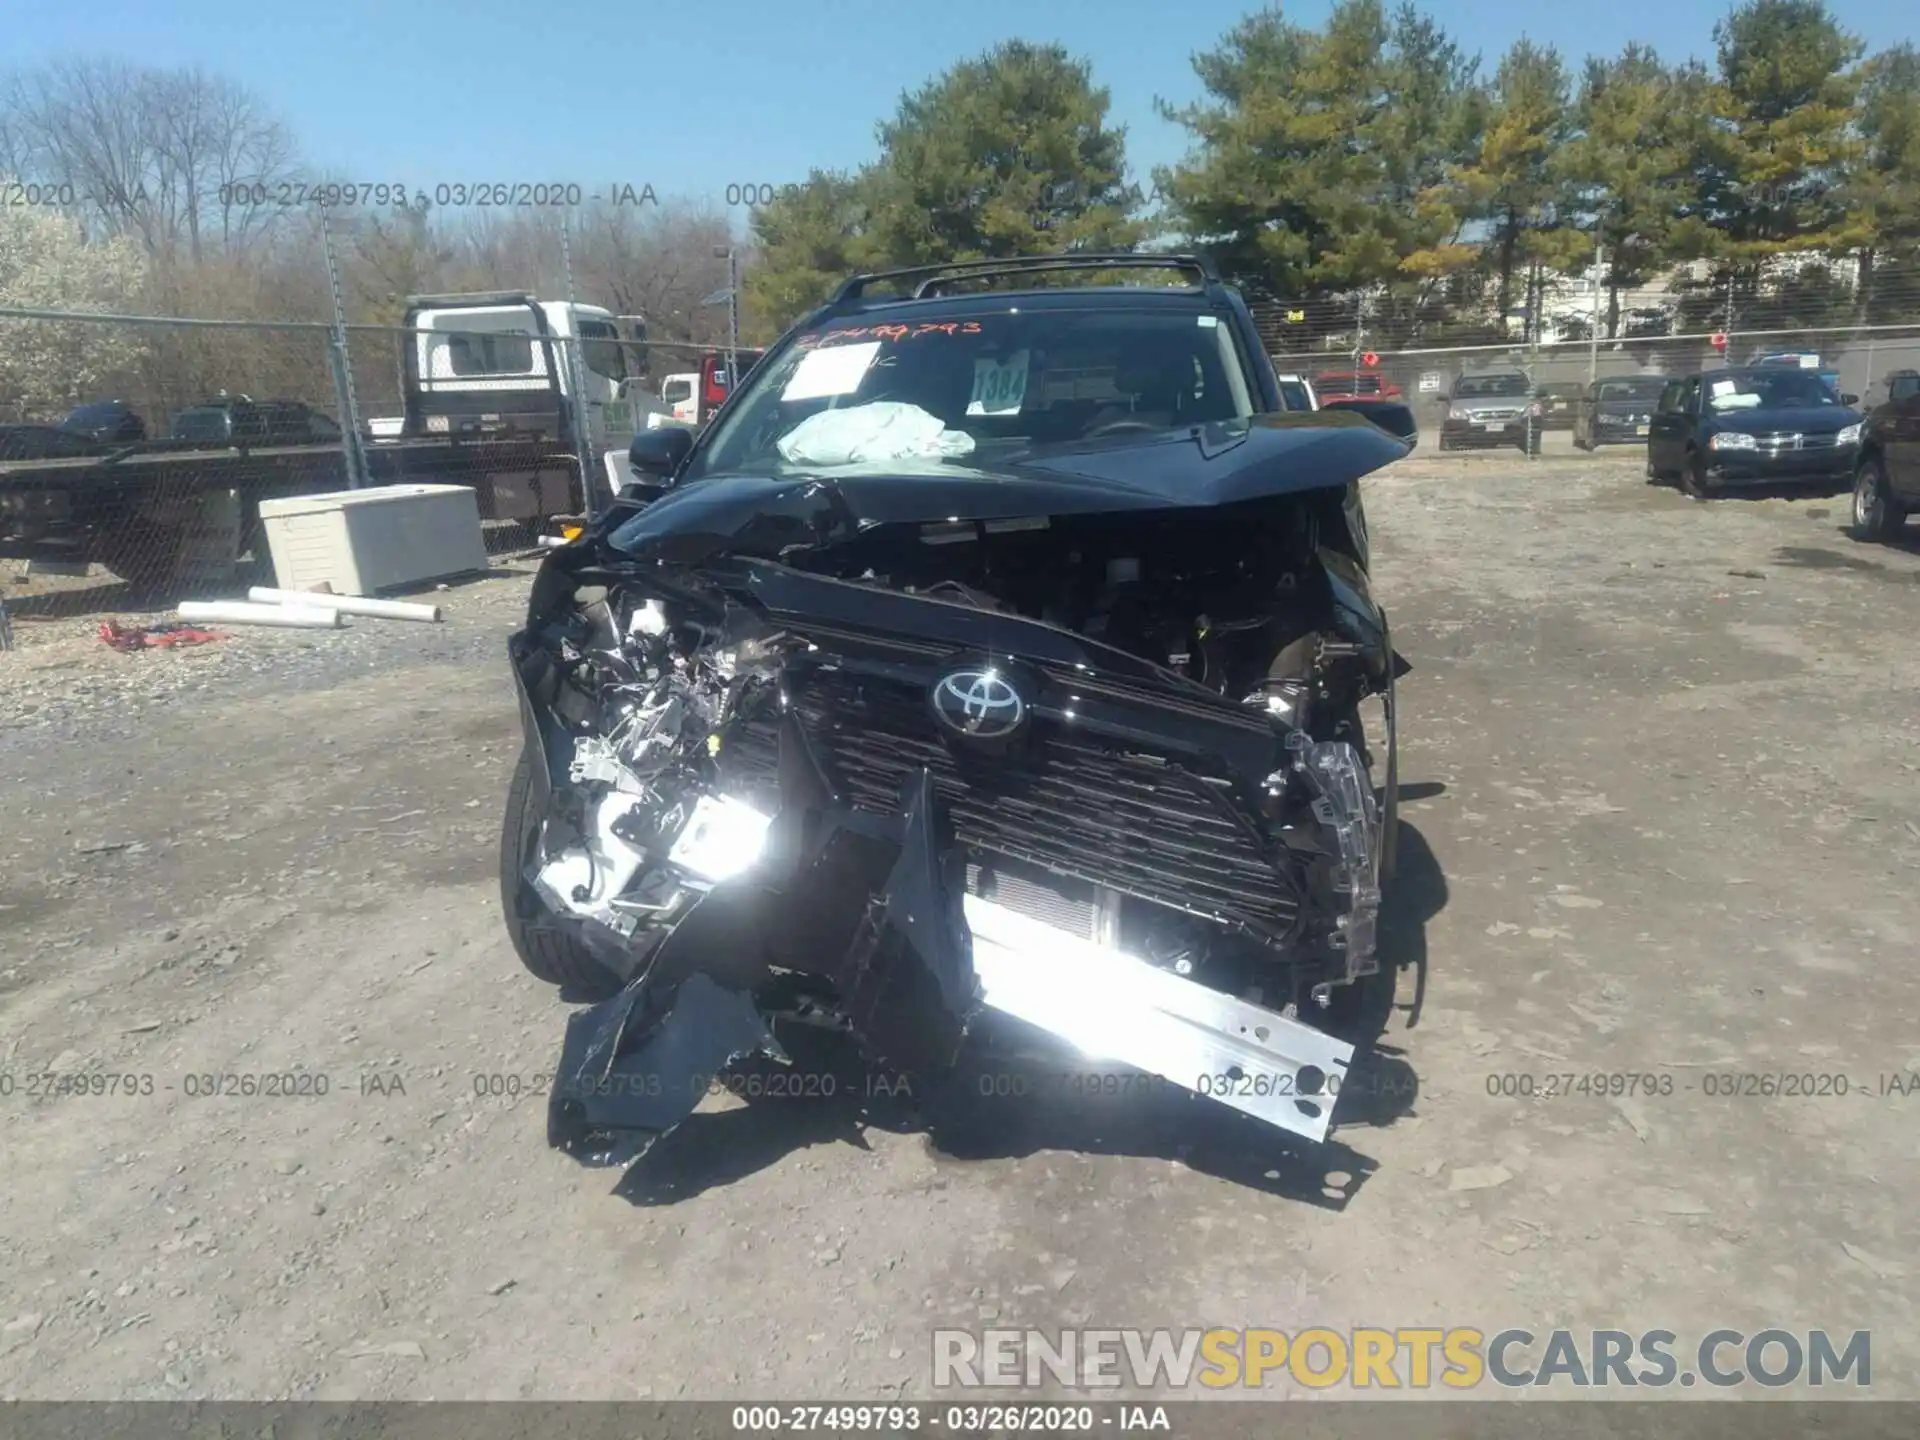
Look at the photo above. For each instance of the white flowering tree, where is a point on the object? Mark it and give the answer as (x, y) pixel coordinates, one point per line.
(46, 263)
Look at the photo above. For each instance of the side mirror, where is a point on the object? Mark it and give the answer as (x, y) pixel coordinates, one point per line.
(656, 454)
(1848, 399)
(1442, 399)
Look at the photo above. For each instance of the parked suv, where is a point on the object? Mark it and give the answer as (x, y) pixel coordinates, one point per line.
(1886, 486)
(943, 745)
(1491, 410)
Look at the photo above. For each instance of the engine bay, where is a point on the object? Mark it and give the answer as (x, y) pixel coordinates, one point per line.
(1184, 591)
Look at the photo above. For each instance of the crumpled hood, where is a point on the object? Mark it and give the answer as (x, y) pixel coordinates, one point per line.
(1210, 465)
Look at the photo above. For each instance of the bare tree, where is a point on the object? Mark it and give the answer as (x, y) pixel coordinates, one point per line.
(658, 262)
(178, 159)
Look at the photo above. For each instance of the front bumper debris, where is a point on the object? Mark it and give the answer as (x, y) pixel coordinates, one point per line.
(920, 970)
(1112, 1007)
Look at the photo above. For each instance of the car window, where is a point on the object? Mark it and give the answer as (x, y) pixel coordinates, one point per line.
(499, 353)
(1475, 387)
(600, 348)
(1293, 394)
(1013, 380)
(1776, 388)
(675, 391)
(1640, 390)
(1903, 387)
(207, 424)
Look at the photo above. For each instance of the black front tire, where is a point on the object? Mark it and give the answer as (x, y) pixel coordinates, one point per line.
(1877, 516)
(1693, 476)
(549, 954)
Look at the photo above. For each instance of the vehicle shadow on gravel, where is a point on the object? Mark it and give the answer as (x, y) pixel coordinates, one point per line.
(1013, 1093)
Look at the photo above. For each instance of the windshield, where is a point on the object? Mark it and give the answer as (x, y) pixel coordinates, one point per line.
(90, 417)
(1474, 387)
(942, 388)
(1770, 390)
(200, 425)
(1631, 389)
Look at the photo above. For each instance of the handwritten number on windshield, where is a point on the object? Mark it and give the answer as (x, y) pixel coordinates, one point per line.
(889, 332)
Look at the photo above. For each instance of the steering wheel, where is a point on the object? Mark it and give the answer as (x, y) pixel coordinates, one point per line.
(1115, 427)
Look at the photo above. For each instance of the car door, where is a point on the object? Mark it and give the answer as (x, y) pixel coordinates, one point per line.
(1903, 438)
(1666, 432)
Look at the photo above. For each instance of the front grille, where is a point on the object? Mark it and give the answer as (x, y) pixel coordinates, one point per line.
(1790, 440)
(1064, 903)
(1131, 821)
(1493, 414)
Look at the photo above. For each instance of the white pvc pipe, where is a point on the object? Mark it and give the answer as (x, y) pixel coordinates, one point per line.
(347, 604)
(239, 612)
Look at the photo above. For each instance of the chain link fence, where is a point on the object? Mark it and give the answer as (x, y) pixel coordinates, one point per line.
(1565, 332)
(136, 450)
(144, 486)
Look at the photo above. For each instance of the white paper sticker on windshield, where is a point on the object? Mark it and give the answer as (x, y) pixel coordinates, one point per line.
(999, 386)
(834, 371)
(1724, 387)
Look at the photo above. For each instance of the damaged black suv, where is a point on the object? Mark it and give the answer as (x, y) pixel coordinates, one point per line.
(1000, 649)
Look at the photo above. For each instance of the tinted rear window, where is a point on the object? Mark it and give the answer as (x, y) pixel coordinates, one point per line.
(91, 417)
(1648, 390)
(200, 425)
(1477, 386)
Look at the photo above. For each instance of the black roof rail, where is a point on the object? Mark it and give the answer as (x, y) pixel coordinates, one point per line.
(934, 275)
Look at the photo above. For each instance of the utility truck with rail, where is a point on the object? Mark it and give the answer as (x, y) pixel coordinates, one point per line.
(501, 391)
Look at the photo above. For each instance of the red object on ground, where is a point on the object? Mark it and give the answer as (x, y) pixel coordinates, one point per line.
(1370, 359)
(129, 638)
(1719, 343)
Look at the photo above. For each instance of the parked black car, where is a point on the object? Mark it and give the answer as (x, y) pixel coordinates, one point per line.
(989, 653)
(1617, 411)
(1762, 425)
(1560, 403)
(243, 421)
(44, 442)
(1886, 487)
(110, 421)
(1493, 409)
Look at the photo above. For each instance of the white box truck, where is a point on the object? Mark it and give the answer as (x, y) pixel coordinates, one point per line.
(499, 365)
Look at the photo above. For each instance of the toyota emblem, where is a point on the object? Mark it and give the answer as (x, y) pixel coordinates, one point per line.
(979, 704)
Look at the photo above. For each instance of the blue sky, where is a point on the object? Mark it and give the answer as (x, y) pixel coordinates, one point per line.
(692, 97)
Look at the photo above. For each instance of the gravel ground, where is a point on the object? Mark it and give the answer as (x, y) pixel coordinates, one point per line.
(1664, 761)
